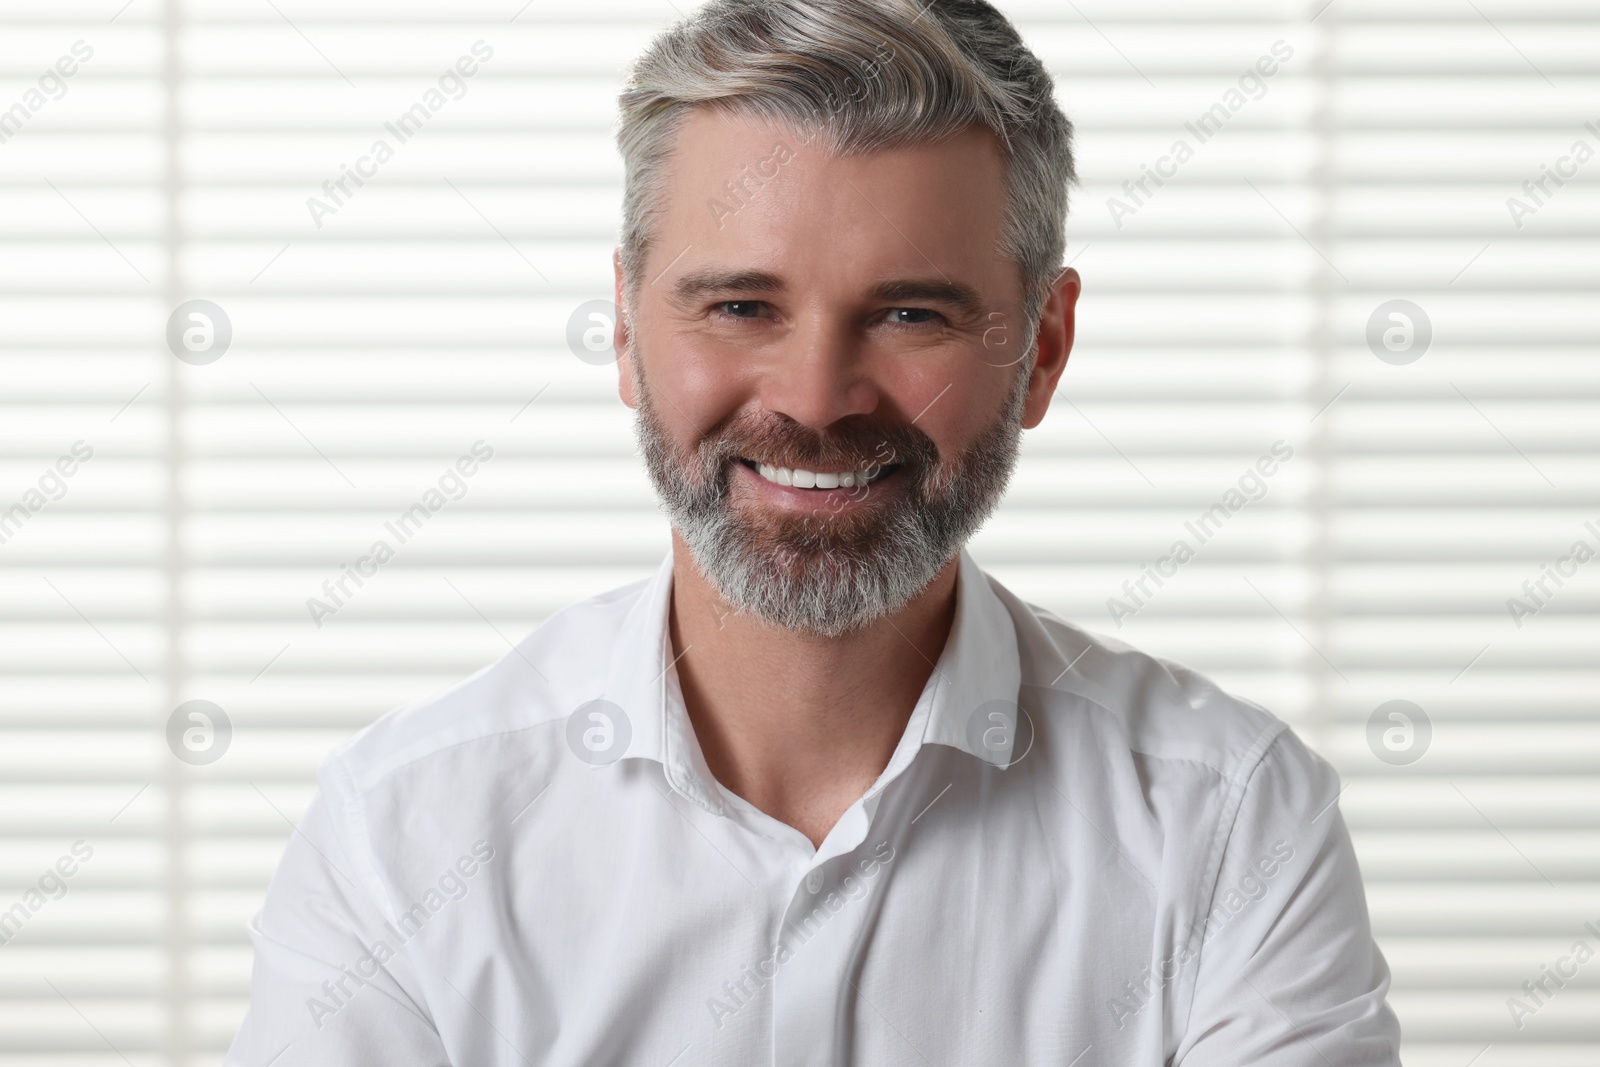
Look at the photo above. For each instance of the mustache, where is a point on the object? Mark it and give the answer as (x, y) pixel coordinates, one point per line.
(853, 443)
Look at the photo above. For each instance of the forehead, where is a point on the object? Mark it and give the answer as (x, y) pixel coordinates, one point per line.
(744, 192)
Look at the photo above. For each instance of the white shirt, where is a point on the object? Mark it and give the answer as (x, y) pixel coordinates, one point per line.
(1138, 869)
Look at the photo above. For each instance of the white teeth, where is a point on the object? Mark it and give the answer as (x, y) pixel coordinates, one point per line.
(776, 475)
(804, 479)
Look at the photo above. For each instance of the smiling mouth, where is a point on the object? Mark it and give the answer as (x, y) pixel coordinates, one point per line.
(799, 478)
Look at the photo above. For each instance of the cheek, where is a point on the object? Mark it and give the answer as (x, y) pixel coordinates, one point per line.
(954, 409)
(694, 386)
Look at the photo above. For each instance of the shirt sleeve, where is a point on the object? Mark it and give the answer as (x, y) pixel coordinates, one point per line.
(1289, 974)
(326, 989)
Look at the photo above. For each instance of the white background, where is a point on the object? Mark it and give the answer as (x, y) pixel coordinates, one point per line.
(1227, 313)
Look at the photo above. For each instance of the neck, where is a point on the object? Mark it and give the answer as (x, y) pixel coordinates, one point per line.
(800, 725)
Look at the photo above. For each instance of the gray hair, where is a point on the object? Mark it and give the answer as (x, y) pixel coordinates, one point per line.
(872, 74)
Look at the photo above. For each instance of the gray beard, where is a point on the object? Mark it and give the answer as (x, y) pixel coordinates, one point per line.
(829, 575)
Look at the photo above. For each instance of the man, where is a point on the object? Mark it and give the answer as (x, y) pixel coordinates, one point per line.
(820, 792)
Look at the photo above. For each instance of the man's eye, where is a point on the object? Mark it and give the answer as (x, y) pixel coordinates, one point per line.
(740, 309)
(912, 316)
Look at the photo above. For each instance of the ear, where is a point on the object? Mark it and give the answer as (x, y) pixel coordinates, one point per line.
(1057, 328)
(620, 340)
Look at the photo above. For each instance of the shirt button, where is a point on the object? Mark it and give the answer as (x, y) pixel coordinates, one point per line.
(814, 881)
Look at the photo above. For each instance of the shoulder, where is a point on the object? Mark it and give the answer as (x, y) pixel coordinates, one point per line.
(1138, 704)
(445, 776)
(1176, 769)
(509, 703)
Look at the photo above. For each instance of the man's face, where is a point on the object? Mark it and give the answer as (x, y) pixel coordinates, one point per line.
(827, 359)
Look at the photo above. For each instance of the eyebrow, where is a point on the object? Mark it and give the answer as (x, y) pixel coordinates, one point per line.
(963, 298)
(702, 283)
(698, 284)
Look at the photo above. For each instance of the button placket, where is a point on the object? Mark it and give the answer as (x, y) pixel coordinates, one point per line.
(822, 929)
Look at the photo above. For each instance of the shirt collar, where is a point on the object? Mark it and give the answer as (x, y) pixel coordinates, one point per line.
(978, 672)
(979, 669)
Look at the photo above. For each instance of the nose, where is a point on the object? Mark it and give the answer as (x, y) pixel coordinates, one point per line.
(818, 377)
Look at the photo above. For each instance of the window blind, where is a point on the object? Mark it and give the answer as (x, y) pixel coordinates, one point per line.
(1379, 515)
